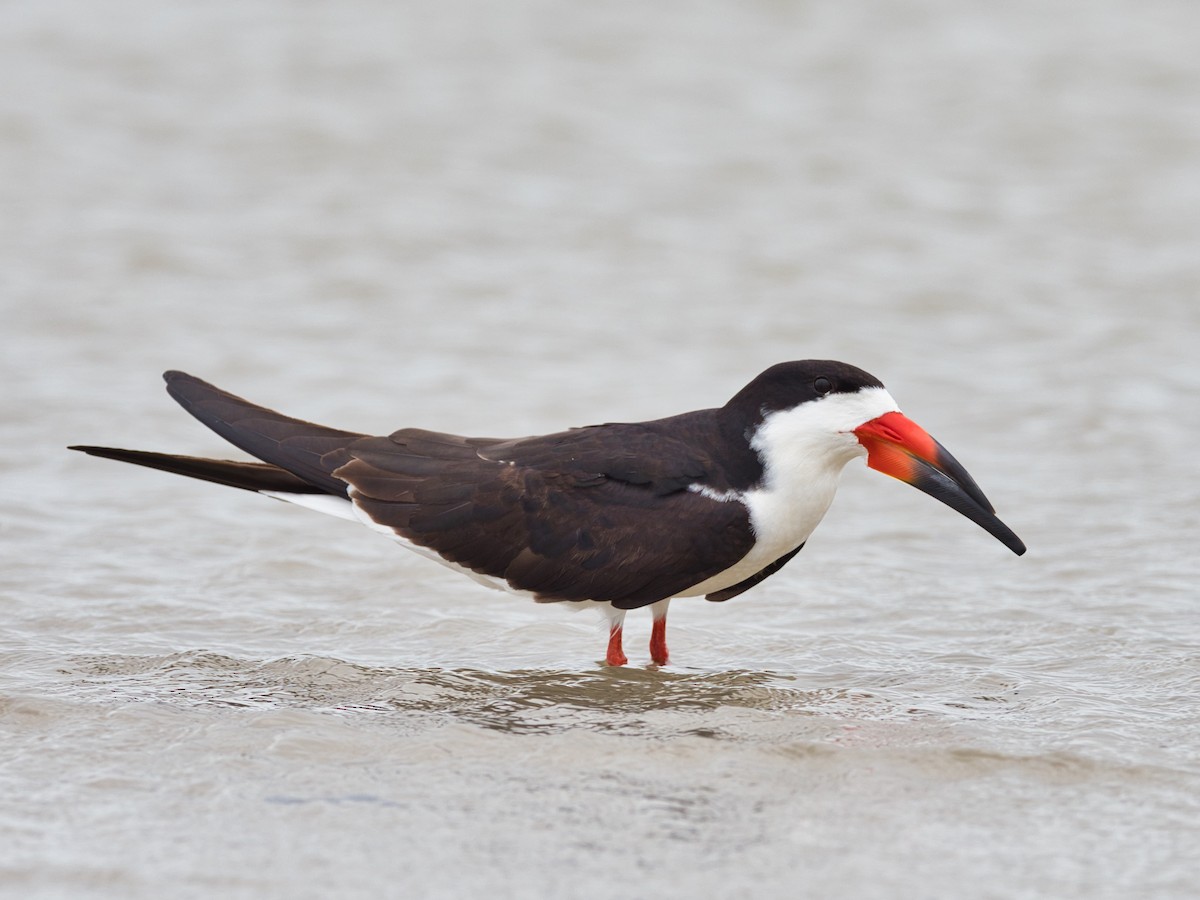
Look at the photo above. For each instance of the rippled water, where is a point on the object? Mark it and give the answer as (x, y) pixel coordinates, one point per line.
(507, 219)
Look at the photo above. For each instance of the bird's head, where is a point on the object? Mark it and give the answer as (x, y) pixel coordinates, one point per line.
(822, 413)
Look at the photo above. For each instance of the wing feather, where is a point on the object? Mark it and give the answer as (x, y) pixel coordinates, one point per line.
(590, 514)
(597, 513)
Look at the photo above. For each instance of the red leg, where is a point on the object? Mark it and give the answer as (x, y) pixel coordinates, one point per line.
(615, 656)
(658, 641)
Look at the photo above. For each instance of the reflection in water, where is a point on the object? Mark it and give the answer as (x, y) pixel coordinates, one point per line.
(625, 700)
(754, 707)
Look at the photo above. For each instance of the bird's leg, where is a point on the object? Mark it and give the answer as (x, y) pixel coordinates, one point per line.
(616, 624)
(658, 632)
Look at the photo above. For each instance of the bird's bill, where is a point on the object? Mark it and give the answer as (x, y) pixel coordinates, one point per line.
(899, 447)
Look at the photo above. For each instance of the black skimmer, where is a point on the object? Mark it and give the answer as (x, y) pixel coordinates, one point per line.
(621, 515)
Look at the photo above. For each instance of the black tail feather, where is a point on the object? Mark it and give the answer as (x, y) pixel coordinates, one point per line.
(249, 476)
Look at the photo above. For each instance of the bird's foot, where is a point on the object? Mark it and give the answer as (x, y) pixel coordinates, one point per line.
(615, 655)
(658, 642)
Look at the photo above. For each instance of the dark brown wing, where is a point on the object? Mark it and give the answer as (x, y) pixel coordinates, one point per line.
(291, 444)
(598, 513)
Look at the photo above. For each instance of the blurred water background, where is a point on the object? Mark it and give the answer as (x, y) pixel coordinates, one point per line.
(510, 218)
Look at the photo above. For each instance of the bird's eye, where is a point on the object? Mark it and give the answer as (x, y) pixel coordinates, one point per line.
(822, 386)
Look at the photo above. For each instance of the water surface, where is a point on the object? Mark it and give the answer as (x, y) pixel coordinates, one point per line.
(510, 219)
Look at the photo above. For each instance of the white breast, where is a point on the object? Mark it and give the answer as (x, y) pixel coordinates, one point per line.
(803, 451)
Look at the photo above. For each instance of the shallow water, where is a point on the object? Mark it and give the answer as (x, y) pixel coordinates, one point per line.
(507, 220)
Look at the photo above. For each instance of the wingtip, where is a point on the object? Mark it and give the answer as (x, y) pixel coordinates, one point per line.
(180, 384)
(103, 452)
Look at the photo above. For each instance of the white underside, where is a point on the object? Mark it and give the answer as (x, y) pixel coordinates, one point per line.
(345, 509)
(322, 503)
(803, 450)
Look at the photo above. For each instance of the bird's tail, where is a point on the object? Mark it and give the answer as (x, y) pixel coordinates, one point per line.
(249, 476)
(298, 457)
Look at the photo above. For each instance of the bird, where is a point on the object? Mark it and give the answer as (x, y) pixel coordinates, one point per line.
(622, 515)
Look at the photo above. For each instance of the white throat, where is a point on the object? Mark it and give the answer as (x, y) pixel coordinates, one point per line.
(803, 451)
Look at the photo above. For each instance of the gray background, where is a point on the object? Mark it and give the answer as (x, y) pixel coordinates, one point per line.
(510, 218)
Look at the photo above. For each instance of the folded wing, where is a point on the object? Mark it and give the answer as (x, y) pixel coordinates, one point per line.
(600, 513)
